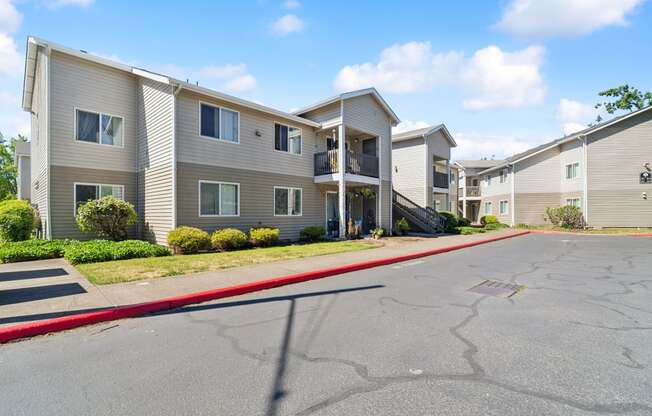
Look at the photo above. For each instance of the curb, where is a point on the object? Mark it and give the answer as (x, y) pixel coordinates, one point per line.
(128, 311)
(575, 233)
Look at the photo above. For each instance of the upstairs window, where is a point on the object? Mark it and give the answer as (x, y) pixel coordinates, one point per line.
(98, 128)
(85, 192)
(503, 175)
(572, 170)
(287, 201)
(487, 180)
(219, 123)
(287, 139)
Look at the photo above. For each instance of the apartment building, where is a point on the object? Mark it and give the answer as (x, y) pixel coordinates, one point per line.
(605, 170)
(469, 186)
(183, 154)
(22, 161)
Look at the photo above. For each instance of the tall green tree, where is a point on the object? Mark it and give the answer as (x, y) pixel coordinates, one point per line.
(623, 98)
(8, 169)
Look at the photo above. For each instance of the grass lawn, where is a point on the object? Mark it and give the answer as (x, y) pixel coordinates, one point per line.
(154, 267)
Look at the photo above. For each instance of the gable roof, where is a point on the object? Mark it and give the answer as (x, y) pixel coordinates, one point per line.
(481, 163)
(426, 131)
(565, 139)
(30, 68)
(352, 94)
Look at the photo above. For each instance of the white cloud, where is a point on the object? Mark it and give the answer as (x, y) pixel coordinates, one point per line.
(11, 63)
(408, 125)
(574, 115)
(475, 146)
(53, 4)
(491, 77)
(287, 24)
(563, 17)
(235, 78)
(10, 18)
(291, 4)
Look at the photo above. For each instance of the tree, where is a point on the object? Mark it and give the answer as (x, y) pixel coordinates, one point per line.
(107, 216)
(624, 98)
(8, 169)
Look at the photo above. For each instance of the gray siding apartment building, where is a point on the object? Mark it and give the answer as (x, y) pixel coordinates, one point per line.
(188, 155)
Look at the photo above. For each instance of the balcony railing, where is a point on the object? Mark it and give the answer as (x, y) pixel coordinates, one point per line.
(440, 180)
(356, 163)
(473, 191)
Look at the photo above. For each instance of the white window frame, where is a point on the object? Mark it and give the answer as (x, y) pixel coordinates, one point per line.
(99, 137)
(288, 188)
(503, 175)
(487, 180)
(500, 207)
(491, 208)
(289, 151)
(219, 203)
(575, 167)
(219, 109)
(74, 192)
(579, 202)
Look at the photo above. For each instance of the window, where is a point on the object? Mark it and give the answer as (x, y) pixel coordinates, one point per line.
(488, 208)
(287, 201)
(503, 175)
(437, 205)
(98, 128)
(504, 207)
(572, 170)
(573, 202)
(219, 199)
(487, 180)
(85, 192)
(219, 123)
(474, 182)
(287, 139)
(452, 177)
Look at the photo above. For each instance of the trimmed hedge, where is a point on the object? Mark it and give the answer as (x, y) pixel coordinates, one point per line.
(401, 226)
(33, 250)
(463, 222)
(264, 236)
(107, 217)
(188, 240)
(471, 230)
(567, 216)
(495, 226)
(312, 234)
(450, 221)
(95, 251)
(488, 219)
(17, 219)
(228, 239)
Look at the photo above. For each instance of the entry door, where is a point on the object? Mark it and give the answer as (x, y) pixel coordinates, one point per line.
(332, 214)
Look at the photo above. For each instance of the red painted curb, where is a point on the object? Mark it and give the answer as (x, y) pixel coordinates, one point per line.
(127, 311)
(575, 233)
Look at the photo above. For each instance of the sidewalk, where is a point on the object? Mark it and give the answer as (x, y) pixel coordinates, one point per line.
(33, 291)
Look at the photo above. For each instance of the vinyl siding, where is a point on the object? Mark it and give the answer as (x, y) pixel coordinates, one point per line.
(496, 188)
(386, 205)
(616, 157)
(24, 185)
(495, 203)
(155, 159)
(324, 114)
(571, 153)
(256, 199)
(39, 143)
(531, 207)
(77, 83)
(438, 146)
(409, 176)
(62, 196)
(253, 152)
(539, 173)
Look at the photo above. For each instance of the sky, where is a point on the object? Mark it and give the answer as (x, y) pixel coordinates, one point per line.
(502, 75)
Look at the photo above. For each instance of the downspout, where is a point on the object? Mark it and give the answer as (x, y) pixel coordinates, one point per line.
(48, 214)
(585, 178)
(513, 203)
(175, 91)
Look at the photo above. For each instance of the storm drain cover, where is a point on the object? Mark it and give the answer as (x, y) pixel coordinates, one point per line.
(496, 288)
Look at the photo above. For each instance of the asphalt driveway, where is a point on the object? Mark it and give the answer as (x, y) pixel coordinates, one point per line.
(403, 339)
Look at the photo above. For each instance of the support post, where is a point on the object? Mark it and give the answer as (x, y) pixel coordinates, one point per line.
(341, 163)
(448, 195)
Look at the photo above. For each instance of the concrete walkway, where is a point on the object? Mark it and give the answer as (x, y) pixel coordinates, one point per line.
(38, 290)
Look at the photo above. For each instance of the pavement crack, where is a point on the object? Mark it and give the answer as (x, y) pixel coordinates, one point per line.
(384, 300)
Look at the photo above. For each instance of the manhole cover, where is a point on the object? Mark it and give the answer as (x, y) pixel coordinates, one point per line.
(496, 288)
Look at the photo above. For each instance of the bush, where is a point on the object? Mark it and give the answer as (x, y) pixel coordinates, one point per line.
(228, 239)
(33, 250)
(567, 217)
(377, 233)
(105, 250)
(187, 240)
(463, 222)
(495, 226)
(488, 219)
(107, 217)
(401, 226)
(264, 236)
(450, 221)
(312, 234)
(470, 230)
(16, 220)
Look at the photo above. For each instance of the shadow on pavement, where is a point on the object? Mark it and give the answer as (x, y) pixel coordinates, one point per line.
(47, 315)
(29, 294)
(32, 274)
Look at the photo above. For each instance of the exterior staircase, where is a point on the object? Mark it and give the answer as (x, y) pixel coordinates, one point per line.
(427, 219)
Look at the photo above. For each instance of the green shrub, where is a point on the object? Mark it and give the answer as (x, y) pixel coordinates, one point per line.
(450, 221)
(228, 239)
(312, 234)
(463, 222)
(495, 226)
(105, 250)
(107, 217)
(33, 250)
(187, 240)
(16, 220)
(401, 226)
(264, 236)
(567, 217)
(377, 233)
(470, 230)
(488, 219)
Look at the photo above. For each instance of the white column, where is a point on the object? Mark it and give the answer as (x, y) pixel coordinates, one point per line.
(448, 195)
(341, 169)
(464, 207)
(512, 204)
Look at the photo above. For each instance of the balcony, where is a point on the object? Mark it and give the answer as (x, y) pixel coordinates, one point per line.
(473, 191)
(356, 164)
(439, 180)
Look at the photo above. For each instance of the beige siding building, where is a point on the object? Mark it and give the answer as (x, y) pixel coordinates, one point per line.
(187, 155)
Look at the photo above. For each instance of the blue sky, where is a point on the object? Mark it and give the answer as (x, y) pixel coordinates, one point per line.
(501, 75)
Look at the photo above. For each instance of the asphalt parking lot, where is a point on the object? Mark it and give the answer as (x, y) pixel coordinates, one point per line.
(403, 339)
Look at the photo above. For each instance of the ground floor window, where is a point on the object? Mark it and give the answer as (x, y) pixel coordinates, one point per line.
(573, 202)
(219, 199)
(504, 207)
(85, 192)
(488, 208)
(287, 201)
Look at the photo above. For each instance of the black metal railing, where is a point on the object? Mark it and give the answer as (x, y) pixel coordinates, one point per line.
(440, 180)
(427, 217)
(356, 163)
